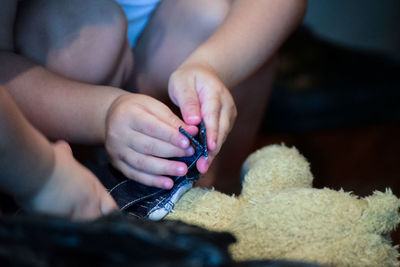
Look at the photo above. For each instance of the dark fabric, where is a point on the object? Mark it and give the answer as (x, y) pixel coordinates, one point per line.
(119, 240)
(115, 240)
(141, 200)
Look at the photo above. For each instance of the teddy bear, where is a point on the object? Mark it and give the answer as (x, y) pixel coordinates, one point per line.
(279, 215)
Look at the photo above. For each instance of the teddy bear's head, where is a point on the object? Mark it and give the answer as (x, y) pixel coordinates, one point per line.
(280, 216)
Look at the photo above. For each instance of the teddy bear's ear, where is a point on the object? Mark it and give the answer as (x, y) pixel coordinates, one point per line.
(382, 214)
(274, 168)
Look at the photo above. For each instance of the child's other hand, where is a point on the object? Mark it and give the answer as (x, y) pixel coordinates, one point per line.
(71, 190)
(200, 94)
(141, 133)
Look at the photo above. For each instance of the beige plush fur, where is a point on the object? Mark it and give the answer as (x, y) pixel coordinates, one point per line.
(280, 216)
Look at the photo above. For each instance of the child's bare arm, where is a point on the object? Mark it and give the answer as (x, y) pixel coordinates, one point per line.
(84, 113)
(25, 152)
(81, 113)
(250, 35)
(42, 176)
(58, 107)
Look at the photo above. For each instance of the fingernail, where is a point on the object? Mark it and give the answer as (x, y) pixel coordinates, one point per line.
(190, 151)
(213, 145)
(168, 184)
(181, 170)
(184, 142)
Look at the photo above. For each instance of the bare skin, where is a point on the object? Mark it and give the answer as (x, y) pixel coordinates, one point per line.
(199, 62)
(48, 179)
(206, 58)
(60, 103)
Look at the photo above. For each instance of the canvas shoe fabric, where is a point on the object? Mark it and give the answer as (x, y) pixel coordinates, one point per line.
(145, 201)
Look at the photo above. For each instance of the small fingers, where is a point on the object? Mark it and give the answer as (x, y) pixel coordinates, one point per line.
(211, 110)
(64, 145)
(107, 204)
(165, 129)
(88, 209)
(227, 120)
(144, 144)
(95, 205)
(217, 136)
(145, 178)
(204, 163)
(183, 93)
(153, 165)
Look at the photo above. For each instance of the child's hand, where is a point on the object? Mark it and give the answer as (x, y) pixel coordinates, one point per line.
(200, 94)
(141, 133)
(71, 190)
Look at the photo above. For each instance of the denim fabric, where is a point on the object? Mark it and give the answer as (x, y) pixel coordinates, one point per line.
(145, 201)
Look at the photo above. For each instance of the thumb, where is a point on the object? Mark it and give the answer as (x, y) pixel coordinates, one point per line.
(107, 204)
(63, 145)
(184, 95)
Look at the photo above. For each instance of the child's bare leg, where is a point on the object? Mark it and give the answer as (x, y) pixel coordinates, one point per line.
(174, 31)
(81, 40)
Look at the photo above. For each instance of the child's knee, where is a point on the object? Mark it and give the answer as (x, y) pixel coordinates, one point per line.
(205, 16)
(82, 40)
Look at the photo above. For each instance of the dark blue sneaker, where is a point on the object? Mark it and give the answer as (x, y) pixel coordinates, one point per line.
(145, 201)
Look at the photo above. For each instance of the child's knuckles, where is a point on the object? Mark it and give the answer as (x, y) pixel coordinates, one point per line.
(174, 120)
(138, 162)
(172, 138)
(150, 148)
(126, 110)
(191, 105)
(119, 156)
(211, 118)
(129, 173)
